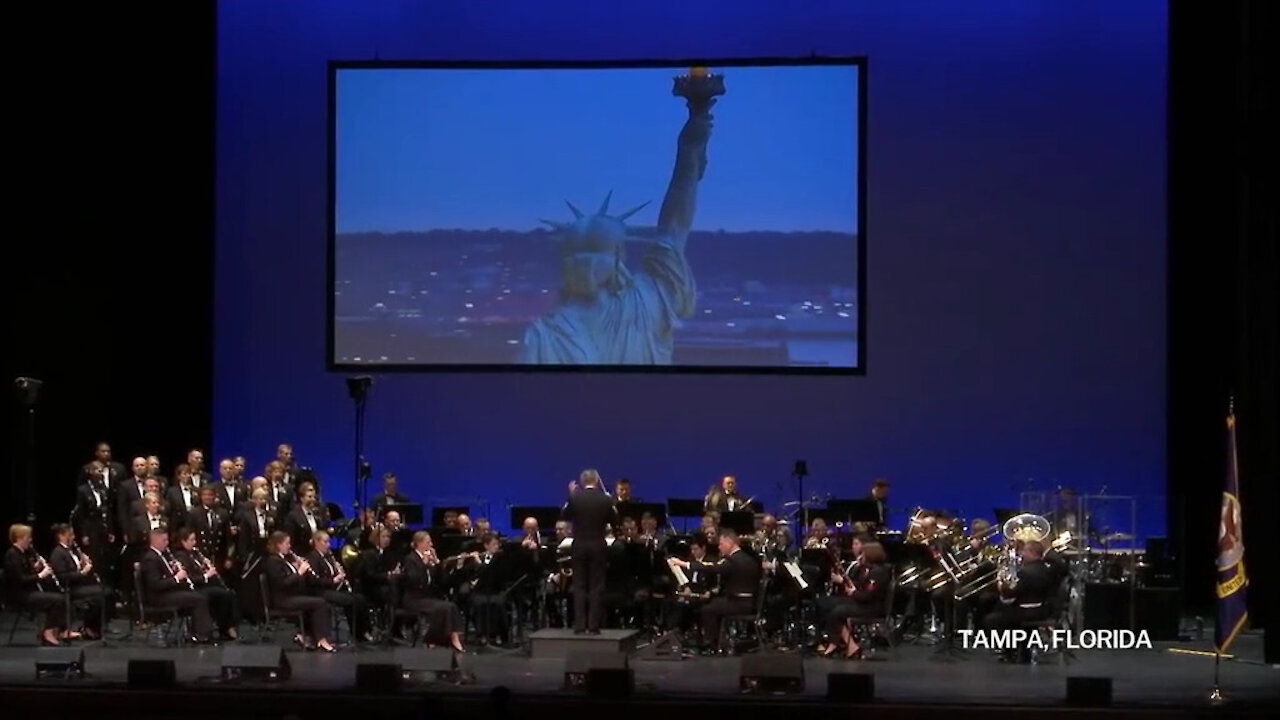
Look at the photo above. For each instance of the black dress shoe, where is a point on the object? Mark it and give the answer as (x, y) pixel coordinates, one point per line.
(577, 631)
(593, 632)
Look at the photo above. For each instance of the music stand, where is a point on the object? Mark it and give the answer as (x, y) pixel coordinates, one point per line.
(410, 513)
(637, 511)
(685, 508)
(854, 511)
(438, 513)
(546, 515)
(742, 522)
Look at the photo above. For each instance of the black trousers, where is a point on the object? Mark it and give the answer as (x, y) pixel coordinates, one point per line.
(93, 598)
(317, 616)
(223, 606)
(353, 605)
(683, 613)
(1012, 616)
(443, 617)
(589, 563)
(52, 604)
(196, 603)
(488, 611)
(714, 613)
(850, 609)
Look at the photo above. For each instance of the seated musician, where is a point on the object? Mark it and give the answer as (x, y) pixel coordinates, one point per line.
(823, 605)
(974, 558)
(775, 539)
(739, 574)
(31, 585)
(650, 532)
(328, 581)
(287, 580)
(76, 575)
(463, 525)
(710, 531)
(482, 527)
(486, 599)
(819, 536)
(559, 576)
(622, 492)
(530, 538)
(865, 592)
(377, 566)
(203, 573)
(1027, 600)
(422, 591)
(390, 494)
(166, 584)
(685, 606)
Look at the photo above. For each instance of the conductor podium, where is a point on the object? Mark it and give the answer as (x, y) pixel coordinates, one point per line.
(560, 643)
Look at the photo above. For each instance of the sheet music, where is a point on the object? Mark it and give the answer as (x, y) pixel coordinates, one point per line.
(565, 544)
(678, 572)
(794, 571)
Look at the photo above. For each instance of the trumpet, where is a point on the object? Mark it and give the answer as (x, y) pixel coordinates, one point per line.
(38, 566)
(175, 568)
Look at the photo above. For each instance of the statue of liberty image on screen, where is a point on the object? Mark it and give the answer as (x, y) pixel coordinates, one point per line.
(608, 313)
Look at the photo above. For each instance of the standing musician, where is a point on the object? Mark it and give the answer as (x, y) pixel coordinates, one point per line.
(93, 519)
(329, 582)
(129, 491)
(230, 491)
(181, 497)
(212, 524)
(103, 467)
(204, 576)
(1027, 599)
(880, 496)
(591, 511)
(865, 592)
(390, 494)
(622, 491)
(725, 498)
(166, 584)
(306, 517)
(254, 527)
(287, 580)
(31, 585)
(421, 593)
(77, 576)
(739, 575)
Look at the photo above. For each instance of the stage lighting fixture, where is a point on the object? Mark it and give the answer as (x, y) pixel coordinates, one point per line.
(358, 387)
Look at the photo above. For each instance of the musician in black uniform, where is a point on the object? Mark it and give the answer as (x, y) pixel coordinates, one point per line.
(31, 584)
(591, 511)
(739, 582)
(328, 581)
(305, 517)
(1029, 599)
(421, 593)
(166, 584)
(725, 498)
(865, 592)
(94, 521)
(208, 582)
(76, 575)
(287, 581)
(686, 604)
(212, 524)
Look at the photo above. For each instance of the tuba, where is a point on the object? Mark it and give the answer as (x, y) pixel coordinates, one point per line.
(1018, 529)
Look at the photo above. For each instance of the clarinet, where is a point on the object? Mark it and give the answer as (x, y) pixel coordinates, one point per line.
(204, 563)
(174, 567)
(40, 564)
(79, 555)
(345, 585)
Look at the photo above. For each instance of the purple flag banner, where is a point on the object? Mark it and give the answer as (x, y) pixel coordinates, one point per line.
(1232, 580)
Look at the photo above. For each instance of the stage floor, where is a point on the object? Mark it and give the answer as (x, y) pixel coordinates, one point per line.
(911, 674)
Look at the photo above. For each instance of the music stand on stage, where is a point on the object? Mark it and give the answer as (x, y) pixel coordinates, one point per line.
(685, 508)
(742, 522)
(410, 513)
(546, 515)
(637, 510)
(853, 511)
(438, 513)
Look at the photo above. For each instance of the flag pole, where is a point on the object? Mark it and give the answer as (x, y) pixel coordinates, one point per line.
(1215, 695)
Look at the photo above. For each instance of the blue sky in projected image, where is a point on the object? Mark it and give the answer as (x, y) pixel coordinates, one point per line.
(421, 149)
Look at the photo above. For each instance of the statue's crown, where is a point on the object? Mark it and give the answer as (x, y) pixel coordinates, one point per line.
(600, 232)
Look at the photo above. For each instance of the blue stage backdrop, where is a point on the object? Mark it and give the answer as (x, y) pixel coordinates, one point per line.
(1015, 296)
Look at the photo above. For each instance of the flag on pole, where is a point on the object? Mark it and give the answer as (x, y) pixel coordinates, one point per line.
(1232, 581)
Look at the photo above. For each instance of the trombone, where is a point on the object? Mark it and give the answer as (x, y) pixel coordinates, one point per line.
(1026, 527)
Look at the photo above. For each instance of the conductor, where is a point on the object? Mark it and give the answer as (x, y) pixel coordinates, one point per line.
(591, 511)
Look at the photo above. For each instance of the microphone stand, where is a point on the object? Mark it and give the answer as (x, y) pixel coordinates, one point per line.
(27, 391)
(358, 389)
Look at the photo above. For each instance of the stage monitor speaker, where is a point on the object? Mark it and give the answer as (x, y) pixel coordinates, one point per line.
(1089, 691)
(772, 673)
(59, 662)
(152, 674)
(426, 663)
(851, 687)
(579, 667)
(255, 662)
(1106, 607)
(378, 678)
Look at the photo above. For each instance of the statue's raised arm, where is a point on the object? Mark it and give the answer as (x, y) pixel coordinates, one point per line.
(699, 89)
